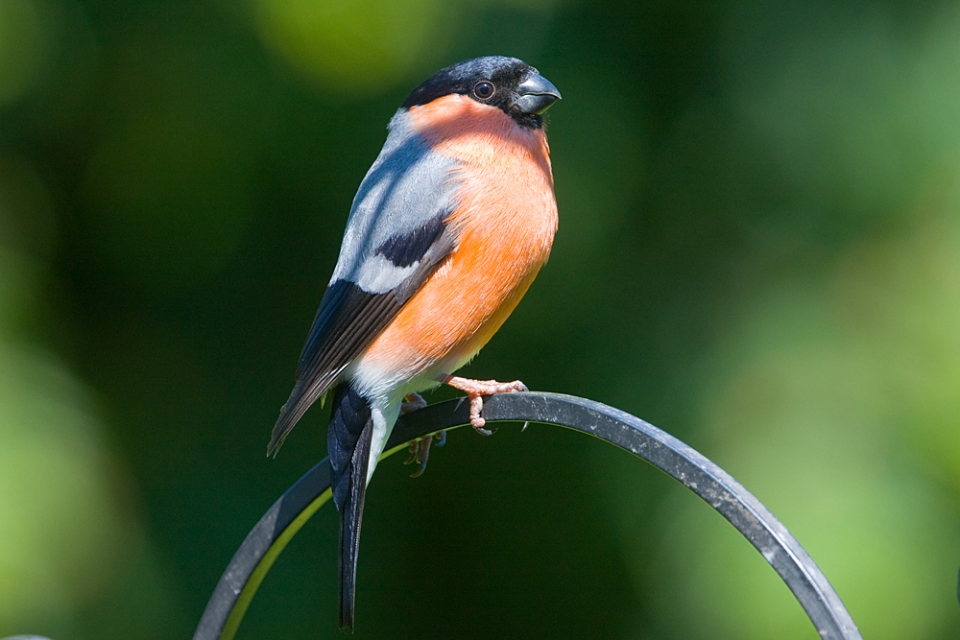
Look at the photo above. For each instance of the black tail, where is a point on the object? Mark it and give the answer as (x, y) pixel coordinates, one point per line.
(348, 442)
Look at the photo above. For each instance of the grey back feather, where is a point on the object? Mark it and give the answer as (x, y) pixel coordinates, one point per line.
(407, 186)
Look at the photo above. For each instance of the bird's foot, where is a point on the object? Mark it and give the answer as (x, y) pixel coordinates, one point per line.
(420, 448)
(412, 402)
(475, 390)
(420, 451)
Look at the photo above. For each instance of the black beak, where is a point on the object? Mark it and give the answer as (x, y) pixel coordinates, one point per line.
(536, 94)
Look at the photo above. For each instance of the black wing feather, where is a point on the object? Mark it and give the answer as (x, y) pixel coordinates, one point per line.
(342, 329)
(349, 319)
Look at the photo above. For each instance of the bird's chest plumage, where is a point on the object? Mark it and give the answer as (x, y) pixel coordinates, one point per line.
(505, 218)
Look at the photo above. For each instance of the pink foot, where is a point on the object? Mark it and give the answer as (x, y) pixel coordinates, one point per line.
(420, 451)
(412, 402)
(420, 448)
(476, 389)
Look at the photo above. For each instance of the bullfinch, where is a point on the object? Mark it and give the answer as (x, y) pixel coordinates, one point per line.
(448, 229)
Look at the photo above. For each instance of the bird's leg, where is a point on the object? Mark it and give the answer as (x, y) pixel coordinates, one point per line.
(475, 390)
(420, 448)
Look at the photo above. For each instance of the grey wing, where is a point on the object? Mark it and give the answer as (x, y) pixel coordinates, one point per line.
(396, 236)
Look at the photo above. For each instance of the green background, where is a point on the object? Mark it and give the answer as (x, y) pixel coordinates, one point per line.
(759, 251)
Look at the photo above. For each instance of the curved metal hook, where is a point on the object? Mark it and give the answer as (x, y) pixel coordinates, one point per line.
(277, 527)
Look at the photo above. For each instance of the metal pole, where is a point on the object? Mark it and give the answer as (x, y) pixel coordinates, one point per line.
(264, 543)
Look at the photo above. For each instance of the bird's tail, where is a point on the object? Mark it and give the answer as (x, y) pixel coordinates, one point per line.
(348, 441)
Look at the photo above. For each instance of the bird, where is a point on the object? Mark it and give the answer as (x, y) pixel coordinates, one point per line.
(447, 231)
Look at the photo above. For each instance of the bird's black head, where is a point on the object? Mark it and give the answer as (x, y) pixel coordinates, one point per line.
(506, 83)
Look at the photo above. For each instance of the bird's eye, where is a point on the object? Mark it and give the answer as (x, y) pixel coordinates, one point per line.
(483, 90)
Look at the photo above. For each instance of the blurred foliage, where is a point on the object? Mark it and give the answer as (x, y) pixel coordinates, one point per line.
(759, 251)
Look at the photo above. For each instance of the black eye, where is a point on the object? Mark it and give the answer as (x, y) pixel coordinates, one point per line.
(483, 90)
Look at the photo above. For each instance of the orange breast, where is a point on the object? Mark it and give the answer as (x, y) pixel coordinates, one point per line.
(506, 218)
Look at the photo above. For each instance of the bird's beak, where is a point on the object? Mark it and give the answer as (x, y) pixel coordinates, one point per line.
(536, 94)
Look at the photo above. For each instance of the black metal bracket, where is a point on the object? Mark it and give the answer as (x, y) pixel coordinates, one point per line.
(281, 522)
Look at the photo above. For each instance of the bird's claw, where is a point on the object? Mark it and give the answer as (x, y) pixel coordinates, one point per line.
(420, 448)
(476, 390)
(412, 402)
(420, 451)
